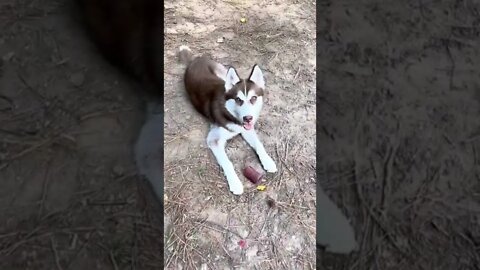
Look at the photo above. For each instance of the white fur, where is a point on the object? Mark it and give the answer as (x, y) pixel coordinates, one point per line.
(250, 136)
(184, 48)
(231, 79)
(218, 136)
(247, 108)
(217, 139)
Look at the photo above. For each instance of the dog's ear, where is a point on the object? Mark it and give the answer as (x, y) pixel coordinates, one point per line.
(231, 79)
(256, 76)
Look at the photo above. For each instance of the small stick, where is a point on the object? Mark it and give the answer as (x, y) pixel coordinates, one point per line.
(46, 181)
(452, 68)
(218, 227)
(55, 254)
(30, 149)
(296, 75)
(114, 262)
(387, 175)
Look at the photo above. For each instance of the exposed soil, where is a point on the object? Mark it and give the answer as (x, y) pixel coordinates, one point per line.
(397, 139)
(206, 220)
(398, 130)
(70, 194)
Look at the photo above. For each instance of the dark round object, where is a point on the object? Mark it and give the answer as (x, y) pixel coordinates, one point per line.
(253, 175)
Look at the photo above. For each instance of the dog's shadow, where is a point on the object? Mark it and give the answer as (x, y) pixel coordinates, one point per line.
(334, 231)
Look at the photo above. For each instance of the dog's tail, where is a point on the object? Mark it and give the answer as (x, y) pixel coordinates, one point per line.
(185, 55)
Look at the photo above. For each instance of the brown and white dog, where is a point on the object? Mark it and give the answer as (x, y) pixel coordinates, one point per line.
(231, 104)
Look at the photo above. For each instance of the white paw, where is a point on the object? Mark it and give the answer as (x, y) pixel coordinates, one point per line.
(235, 185)
(236, 188)
(268, 164)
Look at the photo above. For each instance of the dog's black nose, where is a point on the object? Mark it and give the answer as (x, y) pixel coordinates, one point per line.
(248, 118)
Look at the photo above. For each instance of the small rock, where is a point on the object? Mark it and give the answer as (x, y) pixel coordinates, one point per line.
(220, 40)
(77, 78)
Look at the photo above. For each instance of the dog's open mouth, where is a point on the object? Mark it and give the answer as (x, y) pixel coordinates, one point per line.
(247, 125)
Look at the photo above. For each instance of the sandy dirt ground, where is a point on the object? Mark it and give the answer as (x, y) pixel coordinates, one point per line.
(398, 139)
(206, 220)
(69, 193)
(398, 130)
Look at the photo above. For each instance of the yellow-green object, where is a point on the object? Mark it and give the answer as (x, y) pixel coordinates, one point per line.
(243, 20)
(261, 188)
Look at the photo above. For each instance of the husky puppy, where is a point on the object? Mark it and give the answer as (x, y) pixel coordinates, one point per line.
(231, 104)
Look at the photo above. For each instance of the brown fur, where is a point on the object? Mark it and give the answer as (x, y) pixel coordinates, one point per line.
(129, 34)
(232, 93)
(206, 90)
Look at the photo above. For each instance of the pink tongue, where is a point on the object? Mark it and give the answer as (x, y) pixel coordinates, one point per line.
(248, 126)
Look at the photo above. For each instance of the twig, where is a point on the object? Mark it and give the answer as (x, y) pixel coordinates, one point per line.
(216, 227)
(55, 254)
(31, 89)
(31, 149)
(112, 259)
(377, 220)
(11, 141)
(387, 175)
(11, 248)
(103, 113)
(133, 256)
(452, 68)
(357, 184)
(188, 245)
(292, 205)
(84, 245)
(296, 75)
(46, 181)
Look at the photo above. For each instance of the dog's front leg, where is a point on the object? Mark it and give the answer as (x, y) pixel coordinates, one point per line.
(252, 139)
(216, 141)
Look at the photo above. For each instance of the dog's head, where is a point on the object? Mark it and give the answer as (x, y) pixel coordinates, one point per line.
(245, 96)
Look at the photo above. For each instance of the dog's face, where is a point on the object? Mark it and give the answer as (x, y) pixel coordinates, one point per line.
(245, 97)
